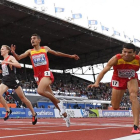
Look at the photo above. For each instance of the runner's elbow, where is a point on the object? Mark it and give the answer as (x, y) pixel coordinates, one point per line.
(19, 66)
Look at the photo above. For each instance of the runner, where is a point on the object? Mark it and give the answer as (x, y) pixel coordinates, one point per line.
(9, 80)
(42, 74)
(125, 66)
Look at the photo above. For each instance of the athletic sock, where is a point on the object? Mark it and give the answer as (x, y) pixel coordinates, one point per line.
(135, 127)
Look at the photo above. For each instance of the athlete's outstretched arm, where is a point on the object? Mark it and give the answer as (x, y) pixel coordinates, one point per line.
(111, 62)
(12, 61)
(76, 57)
(19, 57)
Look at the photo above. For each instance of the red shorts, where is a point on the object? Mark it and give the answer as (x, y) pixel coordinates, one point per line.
(44, 74)
(120, 83)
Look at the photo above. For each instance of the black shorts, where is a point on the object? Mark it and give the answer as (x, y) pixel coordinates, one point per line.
(13, 84)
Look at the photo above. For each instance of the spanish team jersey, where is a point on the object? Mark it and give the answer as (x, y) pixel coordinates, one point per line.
(39, 60)
(124, 69)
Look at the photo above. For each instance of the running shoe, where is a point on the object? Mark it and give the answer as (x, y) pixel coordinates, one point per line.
(137, 131)
(67, 120)
(61, 107)
(34, 119)
(7, 115)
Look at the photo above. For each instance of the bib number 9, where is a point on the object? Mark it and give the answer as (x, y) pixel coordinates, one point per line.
(46, 73)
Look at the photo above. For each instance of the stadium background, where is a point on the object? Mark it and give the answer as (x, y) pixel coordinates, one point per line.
(16, 26)
(91, 46)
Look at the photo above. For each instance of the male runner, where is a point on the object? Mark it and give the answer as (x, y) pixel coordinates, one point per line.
(42, 74)
(9, 80)
(125, 66)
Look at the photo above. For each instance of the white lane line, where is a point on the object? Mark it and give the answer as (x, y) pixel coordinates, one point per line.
(13, 136)
(132, 137)
(73, 124)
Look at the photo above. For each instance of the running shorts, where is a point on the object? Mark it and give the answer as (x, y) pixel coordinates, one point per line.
(120, 83)
(44, 74)
(13, 84)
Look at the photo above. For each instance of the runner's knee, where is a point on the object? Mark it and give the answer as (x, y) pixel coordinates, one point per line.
(40, 91)
(115, 106)
(133, 97)
(1, 97)
(23, 99)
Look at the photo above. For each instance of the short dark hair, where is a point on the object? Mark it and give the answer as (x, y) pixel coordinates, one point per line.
(129, 46)
(38, 36)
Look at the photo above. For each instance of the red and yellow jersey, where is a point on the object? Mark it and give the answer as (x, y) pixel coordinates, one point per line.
(124, 69)
(39, 61)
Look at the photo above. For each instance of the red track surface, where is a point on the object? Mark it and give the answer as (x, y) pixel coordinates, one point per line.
(55, 129)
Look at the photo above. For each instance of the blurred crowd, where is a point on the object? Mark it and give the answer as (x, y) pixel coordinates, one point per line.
(67, 85)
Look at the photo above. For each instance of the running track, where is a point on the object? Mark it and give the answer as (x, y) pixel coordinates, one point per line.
(55, 129)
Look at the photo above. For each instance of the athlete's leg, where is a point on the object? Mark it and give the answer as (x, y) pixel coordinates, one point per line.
(21, 95)
(45, 84)
(133, 90)
(48, 89)
(44, 89)
(116, 98)
(3, 88)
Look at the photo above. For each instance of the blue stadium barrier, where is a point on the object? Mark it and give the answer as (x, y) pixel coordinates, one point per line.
(51, 113)
(72, 105)
(115, 113)
(26, 113)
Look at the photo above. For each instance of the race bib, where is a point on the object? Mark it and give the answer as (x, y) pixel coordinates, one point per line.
(5, 70)
(47, 73)
(115, 83)
(126, 73)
